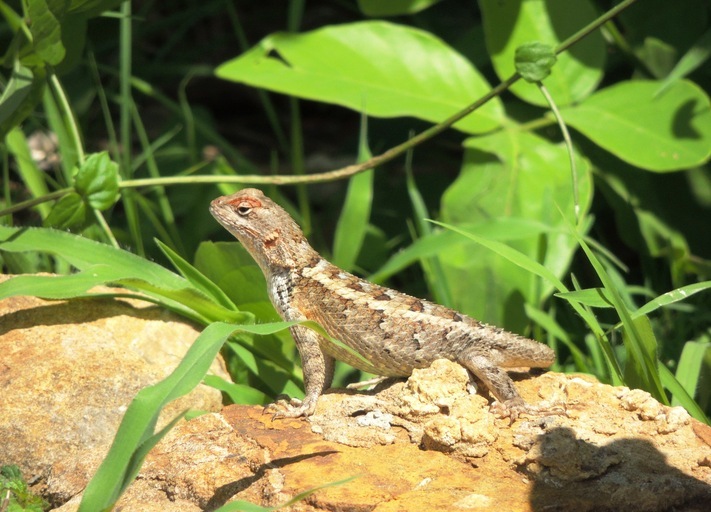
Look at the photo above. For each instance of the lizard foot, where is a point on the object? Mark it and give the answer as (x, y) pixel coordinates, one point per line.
(514, 407)
(286, 407)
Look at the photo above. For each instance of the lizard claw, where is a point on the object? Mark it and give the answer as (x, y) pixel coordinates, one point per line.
(286, 407)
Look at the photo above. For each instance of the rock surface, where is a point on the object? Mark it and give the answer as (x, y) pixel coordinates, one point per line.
(427, 444)
(68, 370)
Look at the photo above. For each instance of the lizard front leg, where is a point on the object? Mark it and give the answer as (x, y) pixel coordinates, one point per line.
(318, 373)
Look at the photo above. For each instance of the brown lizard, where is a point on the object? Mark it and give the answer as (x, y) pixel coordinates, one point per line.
(394, 332)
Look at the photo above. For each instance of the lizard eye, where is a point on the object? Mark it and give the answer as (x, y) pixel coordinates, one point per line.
(244, 210)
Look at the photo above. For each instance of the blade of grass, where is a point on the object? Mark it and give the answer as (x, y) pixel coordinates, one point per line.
(432, 267)
(694, 356)
(637, 345)
(533, 266)
(30, 174)
(678, 391)
(197, 278)
(353, 221)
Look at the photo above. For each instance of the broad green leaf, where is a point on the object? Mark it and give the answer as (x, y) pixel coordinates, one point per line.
(92, 7)
(511, 175)
(232, 269)
(373, 67)
(377, 8)
(46, 30)
(69, 211)
(509, 24)
(664, 133)
(97, 181)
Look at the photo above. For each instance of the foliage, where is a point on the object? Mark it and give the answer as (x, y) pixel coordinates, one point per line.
(579, 193)
(15, 495)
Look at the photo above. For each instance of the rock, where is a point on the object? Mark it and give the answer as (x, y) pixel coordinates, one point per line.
(426, 443)
(68, 370)
(613, 451)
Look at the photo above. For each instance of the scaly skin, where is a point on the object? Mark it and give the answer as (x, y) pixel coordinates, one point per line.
(395, 332)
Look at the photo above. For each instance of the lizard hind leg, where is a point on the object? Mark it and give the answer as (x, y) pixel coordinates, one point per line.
(509, 402)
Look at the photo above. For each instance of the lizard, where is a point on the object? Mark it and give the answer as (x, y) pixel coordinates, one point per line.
(396, 333)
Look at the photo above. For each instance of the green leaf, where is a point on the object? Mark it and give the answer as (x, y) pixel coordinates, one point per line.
(45, 17)
(500, 175)
(593, 297)
(523, 261)
(22, 92)
(664, 133)
(509, 24)
(244, 506)
(238, 393)
(437, 242)
(196, 278)
(93, 7)
(32, 176)
(376, 8)
(671, 297)
(353, 221)
(137, 427)
(103, 264)
(69, 211)
(692, 59)
(534, 61)
(97, 181)
(679, 393)
(414, 74)
(694, 357)
(642, 365)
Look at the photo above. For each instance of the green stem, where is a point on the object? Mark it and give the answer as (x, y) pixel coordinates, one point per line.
(568, 145)
(594, 25)
(125, 87)
(35, 201)
(68, 115)
(105, 228)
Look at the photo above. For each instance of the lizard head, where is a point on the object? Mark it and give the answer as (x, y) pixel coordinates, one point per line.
(265, 229)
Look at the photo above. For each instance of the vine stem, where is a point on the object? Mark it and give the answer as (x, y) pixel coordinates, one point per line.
(349, 170)
(390, 154)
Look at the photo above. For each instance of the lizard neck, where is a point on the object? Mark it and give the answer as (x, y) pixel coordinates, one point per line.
(282, 252)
